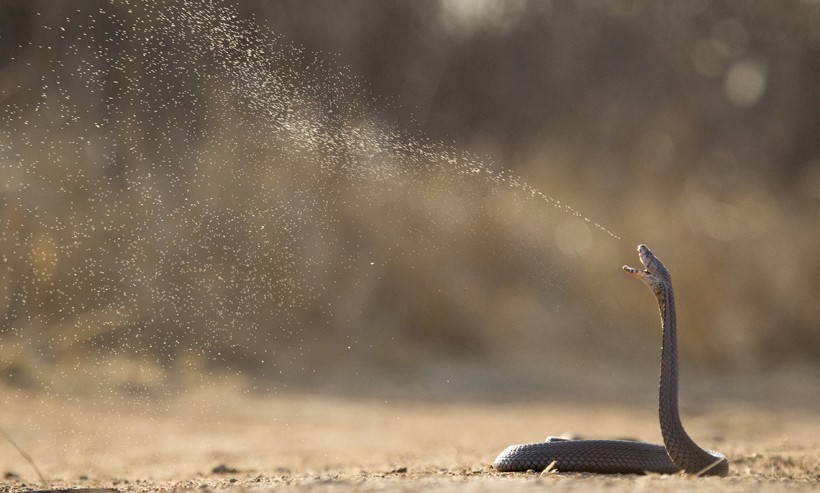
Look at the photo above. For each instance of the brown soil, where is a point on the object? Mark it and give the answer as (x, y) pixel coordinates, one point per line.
(233, 440)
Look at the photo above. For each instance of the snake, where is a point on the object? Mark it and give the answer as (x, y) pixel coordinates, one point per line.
(679, 453)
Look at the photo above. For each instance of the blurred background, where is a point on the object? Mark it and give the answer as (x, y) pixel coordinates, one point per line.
(343, 194)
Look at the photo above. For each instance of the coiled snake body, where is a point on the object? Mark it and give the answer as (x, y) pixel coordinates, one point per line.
(678, 453)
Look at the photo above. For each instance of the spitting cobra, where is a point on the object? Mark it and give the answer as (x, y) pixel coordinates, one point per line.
(678, 452)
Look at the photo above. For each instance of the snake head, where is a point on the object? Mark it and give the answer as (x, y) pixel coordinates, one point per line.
(654, 272)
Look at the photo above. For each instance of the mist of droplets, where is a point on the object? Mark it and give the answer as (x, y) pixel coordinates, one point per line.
(171, 196)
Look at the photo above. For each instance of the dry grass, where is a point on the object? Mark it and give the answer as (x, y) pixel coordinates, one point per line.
(242, 240)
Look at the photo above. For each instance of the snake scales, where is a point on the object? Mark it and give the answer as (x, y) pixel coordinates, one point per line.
(678, 453)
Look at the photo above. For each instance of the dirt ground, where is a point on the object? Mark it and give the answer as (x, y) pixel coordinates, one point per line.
(229, 439)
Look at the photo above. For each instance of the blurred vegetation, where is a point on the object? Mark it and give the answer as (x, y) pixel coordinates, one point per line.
(152, 211)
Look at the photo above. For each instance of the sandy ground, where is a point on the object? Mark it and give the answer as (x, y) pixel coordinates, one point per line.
(325, 442)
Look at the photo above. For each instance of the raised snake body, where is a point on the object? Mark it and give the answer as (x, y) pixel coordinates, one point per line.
(678, 453)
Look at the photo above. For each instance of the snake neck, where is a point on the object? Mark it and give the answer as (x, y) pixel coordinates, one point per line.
(683, 451)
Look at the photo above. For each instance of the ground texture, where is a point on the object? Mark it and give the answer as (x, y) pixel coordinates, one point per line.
(233, 440)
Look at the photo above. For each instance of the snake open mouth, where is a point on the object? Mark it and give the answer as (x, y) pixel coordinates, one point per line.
(645, 256)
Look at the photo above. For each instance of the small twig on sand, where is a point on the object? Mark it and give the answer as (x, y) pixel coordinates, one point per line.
(549, 470)
(709, 467)
(25, 456)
